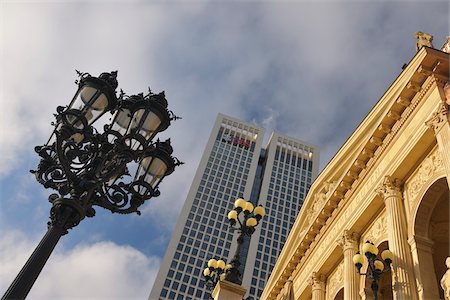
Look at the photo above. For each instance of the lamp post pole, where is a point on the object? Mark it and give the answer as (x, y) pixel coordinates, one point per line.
(88, 168)
(375, 266)
(245, 227)
(244, 218)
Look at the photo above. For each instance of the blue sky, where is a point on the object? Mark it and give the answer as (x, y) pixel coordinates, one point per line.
(309, 69)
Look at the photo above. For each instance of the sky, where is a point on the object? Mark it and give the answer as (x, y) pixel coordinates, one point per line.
(308, 69)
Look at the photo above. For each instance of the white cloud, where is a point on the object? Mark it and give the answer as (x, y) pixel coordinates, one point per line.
(102, 270)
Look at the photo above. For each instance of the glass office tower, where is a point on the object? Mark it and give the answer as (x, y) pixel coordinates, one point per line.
(235, 165)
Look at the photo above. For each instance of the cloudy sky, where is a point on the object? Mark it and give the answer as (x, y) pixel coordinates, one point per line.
(311, 70)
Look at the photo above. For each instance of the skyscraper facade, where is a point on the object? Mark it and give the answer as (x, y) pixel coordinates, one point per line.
(235, 165)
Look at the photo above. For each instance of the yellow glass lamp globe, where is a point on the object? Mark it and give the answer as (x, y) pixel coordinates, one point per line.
(206, 272)
(240, 203)
(358, 259)
(387, 255)
(228, 266)
(232, 215)
(370, 248)
(248, 207)
(251, 222)
(259, 211)
(212, 263)
(375, 250)
(378, 265)
(220, 264)
(367, 247)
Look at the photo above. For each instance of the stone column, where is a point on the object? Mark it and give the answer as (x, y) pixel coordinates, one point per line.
(318, 286)
(226, 290)
(403, 283)
(349, 244)
(439, 122)
(422, 255)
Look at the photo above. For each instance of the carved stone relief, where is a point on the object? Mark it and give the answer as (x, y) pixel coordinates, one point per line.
(377, 232)
(431, 165)
(335, 280)
(439, 118)
(317, 281)
(391, 187)
(319, 201)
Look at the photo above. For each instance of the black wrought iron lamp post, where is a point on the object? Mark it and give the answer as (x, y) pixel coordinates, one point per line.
(88, 168)
(375, 267)
(250, 219)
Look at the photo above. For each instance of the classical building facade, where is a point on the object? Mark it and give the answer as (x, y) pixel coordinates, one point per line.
(388, 184)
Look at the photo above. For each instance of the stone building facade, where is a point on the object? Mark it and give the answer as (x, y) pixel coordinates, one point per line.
(388, 184)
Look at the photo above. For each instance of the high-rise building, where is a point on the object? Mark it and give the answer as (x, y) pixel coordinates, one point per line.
(234, 165)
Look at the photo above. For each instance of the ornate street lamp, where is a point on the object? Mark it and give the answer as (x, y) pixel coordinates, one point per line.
(246, 227)
(89, 168)
(215, 272)
(375, 267)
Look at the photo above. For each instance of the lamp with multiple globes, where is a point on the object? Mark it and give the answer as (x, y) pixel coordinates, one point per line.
(216, 271)
(375, 267)
(87, 168)
(244, 218)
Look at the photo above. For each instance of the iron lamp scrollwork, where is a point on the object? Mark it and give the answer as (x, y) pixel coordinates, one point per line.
(88, 168)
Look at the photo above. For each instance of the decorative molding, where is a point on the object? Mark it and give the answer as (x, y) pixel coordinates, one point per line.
(349, 240)
(391, 187)
(430, 166)
(439, 118)
(319, 202)
(288, 293)
(378, 231)
(317, 281)
(336, 280)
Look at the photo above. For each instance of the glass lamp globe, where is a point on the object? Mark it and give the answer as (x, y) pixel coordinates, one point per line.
(220, 264)
(212, 263)
(240, 203)
(378, 264)
(251, 222)
(94, 97)
(259, 212)
(248, 207)
(358, 259)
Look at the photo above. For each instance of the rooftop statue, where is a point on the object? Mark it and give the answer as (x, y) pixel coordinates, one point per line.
(423, 39)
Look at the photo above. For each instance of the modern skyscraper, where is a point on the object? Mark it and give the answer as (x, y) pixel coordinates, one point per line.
(234, 165)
